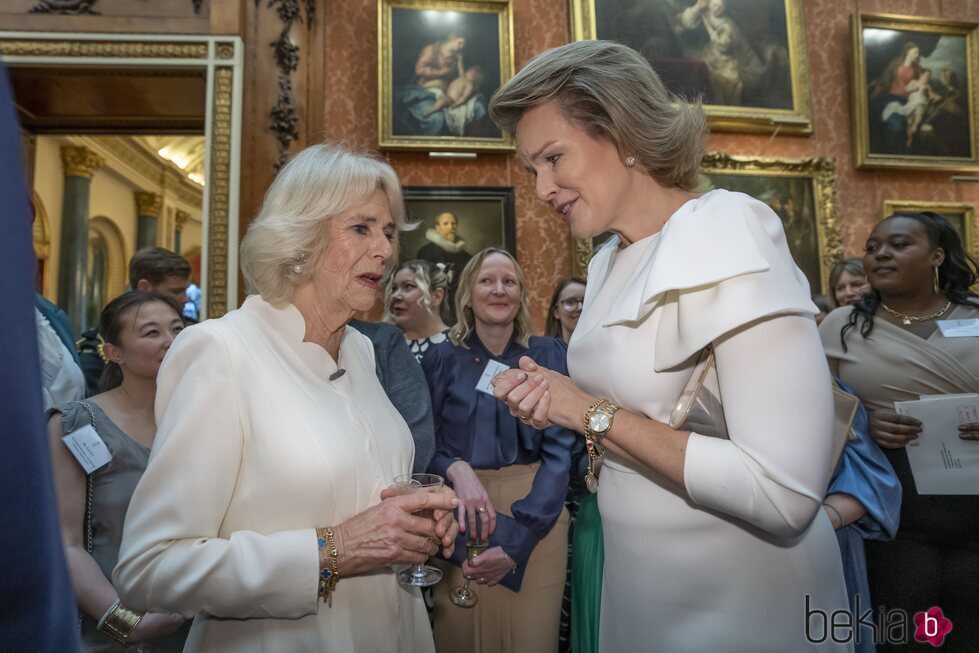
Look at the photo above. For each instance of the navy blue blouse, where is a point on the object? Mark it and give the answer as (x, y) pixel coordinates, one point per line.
(479, 429)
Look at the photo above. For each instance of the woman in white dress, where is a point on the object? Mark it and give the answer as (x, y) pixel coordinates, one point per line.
(710, 543)
(263, 511)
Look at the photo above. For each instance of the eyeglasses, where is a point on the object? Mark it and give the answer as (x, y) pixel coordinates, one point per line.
(571, 304)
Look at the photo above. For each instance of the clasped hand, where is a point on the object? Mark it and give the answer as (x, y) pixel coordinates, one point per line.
(401, 529)
(489, 567)
(540, 397)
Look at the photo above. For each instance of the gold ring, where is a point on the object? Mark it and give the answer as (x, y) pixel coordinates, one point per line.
(481, 509)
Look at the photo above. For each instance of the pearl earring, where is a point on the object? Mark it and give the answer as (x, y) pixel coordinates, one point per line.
(630, 161)
(298, 267)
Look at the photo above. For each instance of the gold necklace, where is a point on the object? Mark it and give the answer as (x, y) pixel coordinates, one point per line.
(908, 319)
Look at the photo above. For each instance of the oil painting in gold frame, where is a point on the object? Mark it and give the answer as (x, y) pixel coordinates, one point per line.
(915, 98)
(439, 64)
(747, 59)
(802, 192)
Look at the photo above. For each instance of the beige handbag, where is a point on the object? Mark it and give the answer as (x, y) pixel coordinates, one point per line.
(699, 406)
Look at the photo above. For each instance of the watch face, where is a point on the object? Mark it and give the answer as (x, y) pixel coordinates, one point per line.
(599, 422)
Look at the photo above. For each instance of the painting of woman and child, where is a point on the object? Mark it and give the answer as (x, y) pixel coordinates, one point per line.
(917, 100)
(441, 63)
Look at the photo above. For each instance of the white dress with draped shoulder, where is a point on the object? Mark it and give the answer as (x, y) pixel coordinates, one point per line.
(731, 563)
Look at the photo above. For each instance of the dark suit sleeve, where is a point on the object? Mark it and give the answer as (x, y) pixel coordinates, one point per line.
(404, 383)
(39, 612)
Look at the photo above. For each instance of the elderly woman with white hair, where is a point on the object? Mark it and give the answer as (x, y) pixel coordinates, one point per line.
(264, 510)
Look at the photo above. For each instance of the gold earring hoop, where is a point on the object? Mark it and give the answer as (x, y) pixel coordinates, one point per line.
(938, 289)
(630, 161)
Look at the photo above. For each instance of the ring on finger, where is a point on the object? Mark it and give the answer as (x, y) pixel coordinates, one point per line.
(481, 509)
(483, 579)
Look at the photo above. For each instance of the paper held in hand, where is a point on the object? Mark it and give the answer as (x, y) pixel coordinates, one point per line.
(942, 462)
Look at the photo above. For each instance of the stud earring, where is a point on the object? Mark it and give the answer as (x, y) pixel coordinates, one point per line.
(297, 268)
(630, 161)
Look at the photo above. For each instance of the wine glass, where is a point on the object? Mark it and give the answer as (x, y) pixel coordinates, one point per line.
(419, 575)
(463, 596)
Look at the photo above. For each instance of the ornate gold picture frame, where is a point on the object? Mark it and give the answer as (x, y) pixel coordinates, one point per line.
(221, 58)
(765, 88)
(961, 214)
(915, 96)
(439, 63)
(801, 191)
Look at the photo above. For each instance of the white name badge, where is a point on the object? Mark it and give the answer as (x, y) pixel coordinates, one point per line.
(959, 328)
(88, 448)
(492, 369)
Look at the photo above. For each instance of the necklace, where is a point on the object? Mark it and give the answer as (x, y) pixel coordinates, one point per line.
(908, 319)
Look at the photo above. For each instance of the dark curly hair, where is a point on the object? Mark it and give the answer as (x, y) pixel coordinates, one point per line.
(956, 275)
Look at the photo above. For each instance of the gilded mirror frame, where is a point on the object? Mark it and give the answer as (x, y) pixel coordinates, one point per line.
(221, 58)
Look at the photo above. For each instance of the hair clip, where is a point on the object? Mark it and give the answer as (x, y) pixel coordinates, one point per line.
(100, 348)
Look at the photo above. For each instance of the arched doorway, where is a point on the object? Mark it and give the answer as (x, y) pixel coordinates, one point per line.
(106, 266)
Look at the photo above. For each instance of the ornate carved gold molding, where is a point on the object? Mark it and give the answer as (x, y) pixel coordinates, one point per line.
(80, 161)
(114, 49)
(64, 7)
(219, 189)
(180, 219)
(226, 50)
(148, 203)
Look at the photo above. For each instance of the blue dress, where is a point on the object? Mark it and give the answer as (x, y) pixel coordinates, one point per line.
(476, 427)
(864, 473)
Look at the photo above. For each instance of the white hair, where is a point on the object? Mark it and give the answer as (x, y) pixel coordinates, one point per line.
(285, 241)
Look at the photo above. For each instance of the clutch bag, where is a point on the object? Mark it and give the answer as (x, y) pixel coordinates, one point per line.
(699, 407)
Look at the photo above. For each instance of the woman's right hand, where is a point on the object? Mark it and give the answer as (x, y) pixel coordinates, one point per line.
(893, 431)
(390, 533)
(472, 496)
(156, 624)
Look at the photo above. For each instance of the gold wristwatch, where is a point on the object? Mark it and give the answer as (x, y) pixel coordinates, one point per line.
(597, 422)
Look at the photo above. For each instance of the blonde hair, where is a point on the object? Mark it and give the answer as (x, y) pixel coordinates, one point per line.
(284, 243)
(852, 266)
(523, 325)
(429, 277)
(611, 91)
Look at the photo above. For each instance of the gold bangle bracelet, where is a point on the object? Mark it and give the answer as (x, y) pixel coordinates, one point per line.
(118, 622)
(329, 564)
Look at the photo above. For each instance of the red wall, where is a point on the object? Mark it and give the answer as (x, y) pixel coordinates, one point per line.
(543, 245)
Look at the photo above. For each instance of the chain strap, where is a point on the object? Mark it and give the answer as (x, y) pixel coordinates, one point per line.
(89, 500)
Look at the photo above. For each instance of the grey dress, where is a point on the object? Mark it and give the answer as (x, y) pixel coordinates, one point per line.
(109, 491)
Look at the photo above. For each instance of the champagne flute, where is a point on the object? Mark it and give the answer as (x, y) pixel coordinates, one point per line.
(420, 575)
(463, 596)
